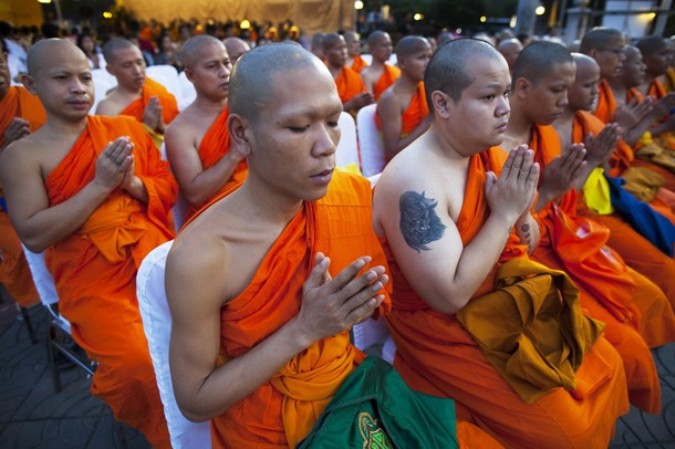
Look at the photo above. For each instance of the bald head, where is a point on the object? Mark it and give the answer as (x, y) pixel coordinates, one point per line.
(317, 44)
(583, 62)
(599, 38)
(449, 69)
(331, 40)
(539, 59)
(411, 45)
(236, 47)
(651, 45)
(194, 48)
(510, 49)
(377, 37)
(252, 80)
(655, 54)
(46, 53)
(111, 47)
(353, 43)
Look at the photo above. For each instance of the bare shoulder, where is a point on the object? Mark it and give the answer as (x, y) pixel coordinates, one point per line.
(189, 125)
(24, 150)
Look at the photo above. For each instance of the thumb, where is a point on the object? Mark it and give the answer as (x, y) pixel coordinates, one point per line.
(490, 180)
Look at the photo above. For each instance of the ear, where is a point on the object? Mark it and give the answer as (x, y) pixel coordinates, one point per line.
(188, 74)
(440, 102)
(109, 69)
(522, 87)
(29, 83)
(240, 130)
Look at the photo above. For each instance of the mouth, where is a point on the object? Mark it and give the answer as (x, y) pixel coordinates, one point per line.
(502, 128)
(323, 177)
(79, 104)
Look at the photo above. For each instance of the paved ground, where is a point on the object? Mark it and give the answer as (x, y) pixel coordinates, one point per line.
(33, 416)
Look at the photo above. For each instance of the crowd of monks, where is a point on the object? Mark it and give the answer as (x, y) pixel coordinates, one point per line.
(518, 244)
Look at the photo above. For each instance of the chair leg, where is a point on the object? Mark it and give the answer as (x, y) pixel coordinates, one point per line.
(29, 325)
(53, 366)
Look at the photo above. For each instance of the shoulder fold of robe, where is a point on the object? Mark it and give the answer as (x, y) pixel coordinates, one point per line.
(151, 89)
(214, 145)
(656, 89)
(606, 103)
(358, 64)
(282, 411)
(349, 84)
(120, 223)
(416, 111)
(389, 75)
(580, 242)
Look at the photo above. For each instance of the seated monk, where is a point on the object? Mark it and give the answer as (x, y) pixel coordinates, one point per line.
(611, 291)
(655, 53)
(262, 349)
(197, 142)
(402, 111)
(93, 193)
(235, 47)
(135, 94)
(22, 113)
(379, 75)
(354, 59)
(350, 87)
(458, 241)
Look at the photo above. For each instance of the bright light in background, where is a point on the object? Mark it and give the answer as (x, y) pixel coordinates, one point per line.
(358, 5)
(418, 16)
(107, 15)
(647, 17)
(513, 21)
(539, 10)
(45, 1)
(483, 19)
(458, 31)
(245, 24)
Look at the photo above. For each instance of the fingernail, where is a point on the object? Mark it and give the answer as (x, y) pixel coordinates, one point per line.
(371, 276)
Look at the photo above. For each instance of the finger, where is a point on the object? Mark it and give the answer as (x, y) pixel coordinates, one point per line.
(348, 274)
(508, 165)
(367, 280)
(317, 275)
(364, 295)
(528, 160)
(365, 310)
(533, 176)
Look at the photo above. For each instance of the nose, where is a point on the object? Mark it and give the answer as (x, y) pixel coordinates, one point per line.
(77, 86)
(325, 140)
(563, 101)
(503, 106)
(225, 70)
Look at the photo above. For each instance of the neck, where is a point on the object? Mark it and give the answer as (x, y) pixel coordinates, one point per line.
(207, 104)
(406, 83)
(519, 127)
(618, 87)
(564, 123)
(378, 64)
(61, 126)
(441, 142)
(334, 69)
(127, 91)
(261, 204)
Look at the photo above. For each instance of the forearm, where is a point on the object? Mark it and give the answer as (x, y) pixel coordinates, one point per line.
(527, 230)
(633, 135)
(49, 226)
(137, 189)
(210, 181)
(239, 377)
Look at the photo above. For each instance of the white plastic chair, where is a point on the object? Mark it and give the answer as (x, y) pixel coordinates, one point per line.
(188, 94)
(367, 57)
(371, 145)
(167, 76)
(179, 210)
(103, 82)
(157, 323)
(44, 284)
(347, 151)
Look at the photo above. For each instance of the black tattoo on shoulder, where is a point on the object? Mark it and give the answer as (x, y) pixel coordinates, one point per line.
(419, 222)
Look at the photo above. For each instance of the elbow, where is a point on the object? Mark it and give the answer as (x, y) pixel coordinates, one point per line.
(194, 417)
(35, 244)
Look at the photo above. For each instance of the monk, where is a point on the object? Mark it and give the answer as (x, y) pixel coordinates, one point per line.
(636, 312)
(135, 94)
(655, 53)
(402, 111)
(354, 59)
(197, 142)
(510, 49)
(22, 113)
(379, 75)
(456, 238)
(317, 45)
(352, 91)
(235, 48)
(93, 193)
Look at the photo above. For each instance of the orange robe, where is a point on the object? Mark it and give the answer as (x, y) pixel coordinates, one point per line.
(636, 311)
(282, 411)
(670, 79)
(214, 145)
(657, 89)
(437, 356)
(349, 84)
(389, 76)
(358, 64)
(95, 271)
(151, 89)
(14, 272)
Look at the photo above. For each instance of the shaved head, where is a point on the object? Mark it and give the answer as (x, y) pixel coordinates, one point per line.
(351, 36)
(448, 69)
(599, 38)
(583, 62)
(539, 59)
(44, 52)
(651, 45)
(236, 47)
(376, 37)
(510, 49)
(330, 40)
(113, 46)
(252, 80)
(193, 49)
(411, 45)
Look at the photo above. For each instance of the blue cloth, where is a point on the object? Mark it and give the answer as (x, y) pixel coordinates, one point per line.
(3, 204)
(649, 223)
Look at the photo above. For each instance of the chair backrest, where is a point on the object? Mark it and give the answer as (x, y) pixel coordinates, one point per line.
(367, 57)
(167, 76)
(370, 142)
(44, 284)
(157, 323)
(187, 92)
(347, 151)
(103, 82)
(179, 210)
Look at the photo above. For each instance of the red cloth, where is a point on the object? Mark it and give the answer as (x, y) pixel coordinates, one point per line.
(151, 89)
(95, 271)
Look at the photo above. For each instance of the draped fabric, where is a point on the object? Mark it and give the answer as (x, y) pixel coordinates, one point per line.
(310, 15)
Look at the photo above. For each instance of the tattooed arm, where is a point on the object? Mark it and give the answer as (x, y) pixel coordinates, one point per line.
(527, 229)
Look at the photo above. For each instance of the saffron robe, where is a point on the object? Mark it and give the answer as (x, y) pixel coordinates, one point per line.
(214, 145)
(610, 291)
(14, 272)
(349, 84)
(358, 64)
(95, 268)
(151, 89)
(437, 356)
(389, 76)
(417, 110)
(282, 411)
